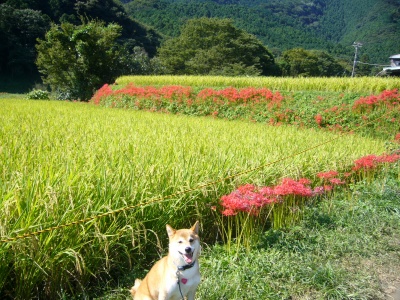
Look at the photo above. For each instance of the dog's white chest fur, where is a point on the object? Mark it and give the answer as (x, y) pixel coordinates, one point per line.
(184, 283)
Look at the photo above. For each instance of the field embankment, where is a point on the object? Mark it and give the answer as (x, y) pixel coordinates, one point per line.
(367, 105)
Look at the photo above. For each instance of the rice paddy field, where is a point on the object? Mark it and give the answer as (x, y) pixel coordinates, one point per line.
(86, 190)
(331, 84)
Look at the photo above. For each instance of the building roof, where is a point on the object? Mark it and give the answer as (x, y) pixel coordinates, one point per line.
(395, 56)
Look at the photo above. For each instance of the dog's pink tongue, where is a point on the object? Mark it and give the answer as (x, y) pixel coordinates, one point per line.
(188, 258)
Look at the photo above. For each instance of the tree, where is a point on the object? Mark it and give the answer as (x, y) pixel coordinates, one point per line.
(215, 46)
(19, 29)
(300, 62)
(22, 22)
(77, 60)
(364, 68)
(327, 64)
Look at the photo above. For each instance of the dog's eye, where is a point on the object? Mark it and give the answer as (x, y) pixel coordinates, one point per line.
(191, 240)
(180, 242)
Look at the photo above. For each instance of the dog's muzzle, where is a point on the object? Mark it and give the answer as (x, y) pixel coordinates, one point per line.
(188, 255)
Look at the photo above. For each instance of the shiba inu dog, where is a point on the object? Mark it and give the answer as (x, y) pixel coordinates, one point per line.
(176, 275)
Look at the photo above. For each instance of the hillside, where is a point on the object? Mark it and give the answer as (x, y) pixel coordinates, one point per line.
(331, 25)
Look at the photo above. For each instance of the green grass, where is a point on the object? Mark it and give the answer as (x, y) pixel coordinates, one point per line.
(63, 161)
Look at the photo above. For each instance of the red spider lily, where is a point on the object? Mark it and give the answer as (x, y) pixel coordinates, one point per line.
(372, 161)
(366, 162)
(251, 199)
(246, 188)
(104, 91)
(206, 93)
(318, 119)
(231, 95)
(290, 186)
(336, 181)
(229, 212)
(304, 181)
(388, 158)
(267, 191)
(397, 138)
(327, 175)
(246, 198)
(388, 98)
(319, 190)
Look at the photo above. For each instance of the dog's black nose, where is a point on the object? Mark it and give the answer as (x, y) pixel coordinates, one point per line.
(188, 249)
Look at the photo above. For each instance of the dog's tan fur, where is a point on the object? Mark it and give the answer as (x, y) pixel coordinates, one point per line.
(161, 283)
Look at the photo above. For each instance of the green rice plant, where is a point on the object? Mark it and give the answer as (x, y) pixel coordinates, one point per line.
(333, 84)
(62, 161)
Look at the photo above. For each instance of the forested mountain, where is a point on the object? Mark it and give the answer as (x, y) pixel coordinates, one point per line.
(332, 25)
(281, 25)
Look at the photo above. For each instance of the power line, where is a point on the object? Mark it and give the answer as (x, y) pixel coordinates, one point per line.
(363, 63)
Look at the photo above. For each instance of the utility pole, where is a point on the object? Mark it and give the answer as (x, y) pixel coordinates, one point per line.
(355, 45)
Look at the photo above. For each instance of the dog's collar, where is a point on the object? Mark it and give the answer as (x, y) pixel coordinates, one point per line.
(185, 267)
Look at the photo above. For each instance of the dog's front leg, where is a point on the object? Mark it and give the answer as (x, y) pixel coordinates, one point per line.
(162, 295)
(190, 295)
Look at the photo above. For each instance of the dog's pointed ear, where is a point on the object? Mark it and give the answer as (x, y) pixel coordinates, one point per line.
(170, 230)
(195, 227)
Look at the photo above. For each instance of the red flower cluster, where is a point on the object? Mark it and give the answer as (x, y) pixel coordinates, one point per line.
(170, 92)
(327, 175)
(232, 95)
(373, 161)
(185, 95)
(318, 118)
(104, 91)
(251, 199)
(289, 186)
(246, 198)
(388, 98)
(397, 138)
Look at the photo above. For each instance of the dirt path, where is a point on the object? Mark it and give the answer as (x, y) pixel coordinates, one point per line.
(394, 292)
(389, 276)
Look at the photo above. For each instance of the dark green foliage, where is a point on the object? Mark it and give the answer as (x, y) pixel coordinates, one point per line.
(300, 62)
(109, 11)
(77, 60)
(24, 21)
(331, 25)
(214, 46)
(19, 29)
(133, 34)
